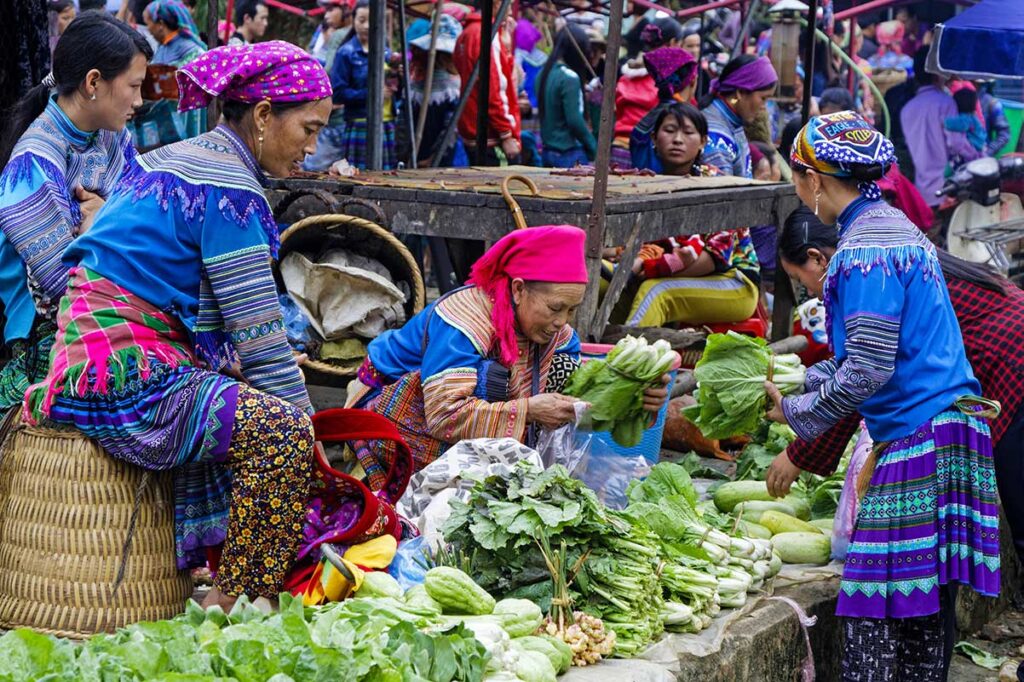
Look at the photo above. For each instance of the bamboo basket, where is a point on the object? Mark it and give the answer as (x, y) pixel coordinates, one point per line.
(321, 232)
(65, 513)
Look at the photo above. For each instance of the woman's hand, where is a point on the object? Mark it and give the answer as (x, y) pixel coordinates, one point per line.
(781, 475)
(89, 203)
(655, 397)
(775, 413)
(612, 254)
(551, 410)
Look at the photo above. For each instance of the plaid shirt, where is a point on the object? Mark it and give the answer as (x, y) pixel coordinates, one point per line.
(993, 331)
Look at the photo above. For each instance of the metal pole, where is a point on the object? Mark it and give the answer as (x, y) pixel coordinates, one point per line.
(849, 51)
(812, 22)
(413, 142)
(449, 134)
(212, 111)
(589, 325)
(375, 87)
(741, 40)
(867, 7)
(487, 33)
(428, 86)
(700, 9)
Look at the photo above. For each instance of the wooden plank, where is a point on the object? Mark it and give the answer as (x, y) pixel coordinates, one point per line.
(619, 281)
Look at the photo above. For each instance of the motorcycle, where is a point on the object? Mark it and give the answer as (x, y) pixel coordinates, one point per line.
(988, 224)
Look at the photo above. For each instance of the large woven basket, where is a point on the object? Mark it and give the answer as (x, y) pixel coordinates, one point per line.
(65, 510)
(321, 232)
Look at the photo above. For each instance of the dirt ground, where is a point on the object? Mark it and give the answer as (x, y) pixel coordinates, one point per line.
(1003, 636)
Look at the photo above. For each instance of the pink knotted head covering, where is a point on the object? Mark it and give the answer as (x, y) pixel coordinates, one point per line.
(553, 253)
(275, 70)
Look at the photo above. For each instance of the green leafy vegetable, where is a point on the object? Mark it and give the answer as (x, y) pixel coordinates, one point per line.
(979, 656)
(730, 377)
(614, 387)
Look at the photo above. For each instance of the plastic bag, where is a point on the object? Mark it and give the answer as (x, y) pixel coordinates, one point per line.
(591, 460)
(846, 514)
(408, 565)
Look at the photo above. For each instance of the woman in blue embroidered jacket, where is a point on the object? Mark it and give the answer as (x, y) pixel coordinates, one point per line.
(172, 284)
(928, 517)
(170, 23)
(63, 150)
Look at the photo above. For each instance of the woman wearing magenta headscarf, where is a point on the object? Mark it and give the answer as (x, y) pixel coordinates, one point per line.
(737, 97)
(171, 292)
(484, 360)
(674, 71)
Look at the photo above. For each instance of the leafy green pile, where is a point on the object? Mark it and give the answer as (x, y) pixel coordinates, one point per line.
(499, 527)
(768, 440)
(614, 387)
(730, 378)
(359, 639)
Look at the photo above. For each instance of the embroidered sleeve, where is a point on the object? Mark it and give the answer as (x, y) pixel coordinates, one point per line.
(819, 373)
(721, 152)
(869, 305)
(452, 369)
(242, 286)
(38, 216)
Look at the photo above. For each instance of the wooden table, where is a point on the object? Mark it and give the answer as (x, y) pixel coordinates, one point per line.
(467, 203)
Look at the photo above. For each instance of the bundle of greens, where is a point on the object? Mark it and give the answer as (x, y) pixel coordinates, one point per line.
(499, 527)
(768, 440)
(614, 386)
(730, 384)
(360, 639)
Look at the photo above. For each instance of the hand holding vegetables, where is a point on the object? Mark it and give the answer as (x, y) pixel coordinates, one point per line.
(655, 396)
(551, 410)
(775, 414)
(781, 475)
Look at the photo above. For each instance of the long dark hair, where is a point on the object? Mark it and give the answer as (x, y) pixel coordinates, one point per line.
(360, 4)
(680, 111)
(94, 40)
(803, 231)
(660, 32)
(734, 65)
(565, 52)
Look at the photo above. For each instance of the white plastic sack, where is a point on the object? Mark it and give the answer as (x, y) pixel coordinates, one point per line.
(341, 297)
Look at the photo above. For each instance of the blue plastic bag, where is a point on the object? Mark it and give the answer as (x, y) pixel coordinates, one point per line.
(408, 565)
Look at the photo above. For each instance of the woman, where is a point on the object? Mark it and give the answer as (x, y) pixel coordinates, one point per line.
(61, 13)
(64, 148)
(567, 138)
(445, 90)
(483, 361)
(329, 33)
(890, 53)
(349, 76)
(990, 311)
(141, 339)
(928, 517)
(738, 96)
(170, 23)
(691, 279)
(675, 75)
(636, 93)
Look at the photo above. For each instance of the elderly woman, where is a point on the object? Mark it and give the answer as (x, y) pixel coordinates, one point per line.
(928, 517)
(64, 149)
(171, 291)
(484, 361)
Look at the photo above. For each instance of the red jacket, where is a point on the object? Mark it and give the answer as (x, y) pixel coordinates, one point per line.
(503, 107)
(635, 95)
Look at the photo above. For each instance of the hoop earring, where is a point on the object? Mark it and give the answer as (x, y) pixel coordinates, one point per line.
(259, 148)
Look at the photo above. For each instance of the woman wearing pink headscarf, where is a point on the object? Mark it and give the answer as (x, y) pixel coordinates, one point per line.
(890, 48)
(170, 348)
(486, 360)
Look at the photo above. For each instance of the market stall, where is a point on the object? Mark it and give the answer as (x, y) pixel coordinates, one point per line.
(468, 204)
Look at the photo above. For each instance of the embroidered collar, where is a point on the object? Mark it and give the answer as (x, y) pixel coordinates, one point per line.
(730, 115)
(245, 154)
(77, 138)
(854, 210)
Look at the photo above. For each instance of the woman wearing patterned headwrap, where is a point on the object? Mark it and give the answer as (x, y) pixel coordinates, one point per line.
(170, 23)
(928, 517)
(171, 291)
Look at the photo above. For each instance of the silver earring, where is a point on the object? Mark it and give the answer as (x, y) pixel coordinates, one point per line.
(93, 98)
(817, 197)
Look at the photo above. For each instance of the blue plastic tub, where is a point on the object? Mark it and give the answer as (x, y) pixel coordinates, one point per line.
(649, 446)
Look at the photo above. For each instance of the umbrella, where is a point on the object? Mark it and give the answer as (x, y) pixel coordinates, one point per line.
(984, 41)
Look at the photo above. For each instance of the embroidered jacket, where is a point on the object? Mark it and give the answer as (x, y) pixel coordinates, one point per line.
(727, 148)
(189, 230)
(39, 212)
(899, 356)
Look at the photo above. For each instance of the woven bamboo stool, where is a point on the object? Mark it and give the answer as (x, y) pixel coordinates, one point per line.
(65, 511)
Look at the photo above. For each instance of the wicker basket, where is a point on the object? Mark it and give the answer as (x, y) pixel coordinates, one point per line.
(65, 510)
(317, 233)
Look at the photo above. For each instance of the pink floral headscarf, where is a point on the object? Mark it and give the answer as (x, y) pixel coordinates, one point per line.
(276, 71)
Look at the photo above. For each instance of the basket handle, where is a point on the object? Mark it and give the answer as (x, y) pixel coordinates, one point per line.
(517, 213)
(376, 210)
